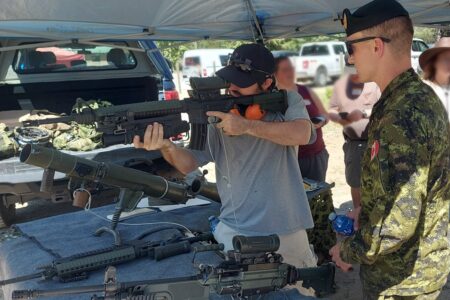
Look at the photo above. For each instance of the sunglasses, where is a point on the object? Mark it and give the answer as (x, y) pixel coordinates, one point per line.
(349, 44)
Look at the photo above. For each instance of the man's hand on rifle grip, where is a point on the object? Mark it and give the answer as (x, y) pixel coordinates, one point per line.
(231, 124)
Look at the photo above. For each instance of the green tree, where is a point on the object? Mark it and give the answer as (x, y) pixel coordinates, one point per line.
(174, 50)
(429, 35)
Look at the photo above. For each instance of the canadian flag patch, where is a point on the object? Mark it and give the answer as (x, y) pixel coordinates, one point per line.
(375, 149)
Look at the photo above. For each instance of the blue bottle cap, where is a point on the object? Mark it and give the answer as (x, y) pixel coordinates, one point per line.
(332, 216)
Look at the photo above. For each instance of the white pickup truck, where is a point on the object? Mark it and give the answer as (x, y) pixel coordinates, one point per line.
(418, 46)
(320, 61)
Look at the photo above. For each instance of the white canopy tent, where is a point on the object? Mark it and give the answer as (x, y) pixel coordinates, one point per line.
(189, 20)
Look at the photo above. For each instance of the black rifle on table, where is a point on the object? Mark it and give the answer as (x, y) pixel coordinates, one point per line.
(76, 267)
(119, 124)
(252, 269)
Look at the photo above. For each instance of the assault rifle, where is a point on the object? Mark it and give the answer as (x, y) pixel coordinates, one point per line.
(76, 267)
(133, 183)
(119, 124)
(249, 271)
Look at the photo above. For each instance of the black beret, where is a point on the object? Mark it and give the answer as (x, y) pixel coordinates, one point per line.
(371, 14)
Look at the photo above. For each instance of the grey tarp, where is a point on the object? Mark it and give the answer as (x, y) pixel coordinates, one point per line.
(71, 233)
(189, 19)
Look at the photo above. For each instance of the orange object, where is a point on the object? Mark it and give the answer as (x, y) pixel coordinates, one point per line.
(254, 112)
(235, 111)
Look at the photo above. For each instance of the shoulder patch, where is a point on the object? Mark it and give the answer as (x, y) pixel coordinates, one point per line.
(374, 150)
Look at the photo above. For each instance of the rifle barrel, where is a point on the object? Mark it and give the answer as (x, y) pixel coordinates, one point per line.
(21, 278)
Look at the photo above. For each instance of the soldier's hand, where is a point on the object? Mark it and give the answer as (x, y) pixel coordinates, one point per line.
(336, 258)
(355, 116)
(153, 139)
(354, 214)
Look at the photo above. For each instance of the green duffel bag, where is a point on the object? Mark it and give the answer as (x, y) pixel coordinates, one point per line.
(8, 146)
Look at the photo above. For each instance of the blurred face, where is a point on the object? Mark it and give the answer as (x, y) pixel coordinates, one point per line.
(442, 65)
(285, 73)
(364, 58)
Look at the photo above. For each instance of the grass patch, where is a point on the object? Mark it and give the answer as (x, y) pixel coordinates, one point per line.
(324, 94)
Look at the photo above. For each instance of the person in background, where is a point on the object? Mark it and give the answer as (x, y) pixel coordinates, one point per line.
(435, 63)
(350, 106)
(313, 159)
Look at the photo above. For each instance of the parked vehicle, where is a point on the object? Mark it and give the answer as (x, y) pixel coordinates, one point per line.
(204, 62)
(320, 61)
(169, 91)
(52, 78)
(418, 46)
(284, 53)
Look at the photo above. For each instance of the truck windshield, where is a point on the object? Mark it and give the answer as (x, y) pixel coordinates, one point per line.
(192, 61)
(314, 50)
(72, 58)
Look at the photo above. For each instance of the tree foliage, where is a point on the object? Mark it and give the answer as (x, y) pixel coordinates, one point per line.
(175, 50)
(429, 35)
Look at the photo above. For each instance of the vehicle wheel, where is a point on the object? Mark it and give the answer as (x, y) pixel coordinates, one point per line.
(7, 213)
(321, 78)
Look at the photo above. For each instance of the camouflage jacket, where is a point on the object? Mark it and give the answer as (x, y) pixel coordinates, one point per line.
(402, 242)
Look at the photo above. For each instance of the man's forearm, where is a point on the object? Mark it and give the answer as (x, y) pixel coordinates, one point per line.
(181, 159)
(290, 133)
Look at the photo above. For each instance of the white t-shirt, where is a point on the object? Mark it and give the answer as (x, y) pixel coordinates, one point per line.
(443, 94)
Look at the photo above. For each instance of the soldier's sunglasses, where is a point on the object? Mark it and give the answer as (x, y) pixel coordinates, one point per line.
(349, 44)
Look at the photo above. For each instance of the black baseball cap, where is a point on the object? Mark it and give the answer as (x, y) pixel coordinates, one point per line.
(371, 14)
(247, 65)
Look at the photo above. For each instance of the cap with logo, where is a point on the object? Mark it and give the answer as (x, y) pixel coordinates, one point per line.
(247, 65)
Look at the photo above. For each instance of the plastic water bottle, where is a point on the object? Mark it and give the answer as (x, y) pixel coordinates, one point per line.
(213, 221)
(342, 224)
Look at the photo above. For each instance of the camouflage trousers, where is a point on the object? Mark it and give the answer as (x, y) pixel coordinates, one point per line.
(322, 236)
(368, 295)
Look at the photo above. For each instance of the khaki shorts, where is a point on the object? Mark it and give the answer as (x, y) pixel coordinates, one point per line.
(353, 153)
(294, 247)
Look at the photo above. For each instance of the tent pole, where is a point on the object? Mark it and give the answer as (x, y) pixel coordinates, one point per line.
(252, 11)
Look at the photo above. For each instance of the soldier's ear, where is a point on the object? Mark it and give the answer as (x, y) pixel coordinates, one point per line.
(379, 47)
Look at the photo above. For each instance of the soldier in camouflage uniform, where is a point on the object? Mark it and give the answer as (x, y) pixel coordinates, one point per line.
(402, 242)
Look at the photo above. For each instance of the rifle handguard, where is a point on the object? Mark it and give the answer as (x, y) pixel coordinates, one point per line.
(206, 248)
(163, 252)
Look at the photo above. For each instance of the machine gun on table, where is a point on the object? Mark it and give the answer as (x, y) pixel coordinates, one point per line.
(252, 269)
(76, 267)
(133, 183)
(119, 124)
